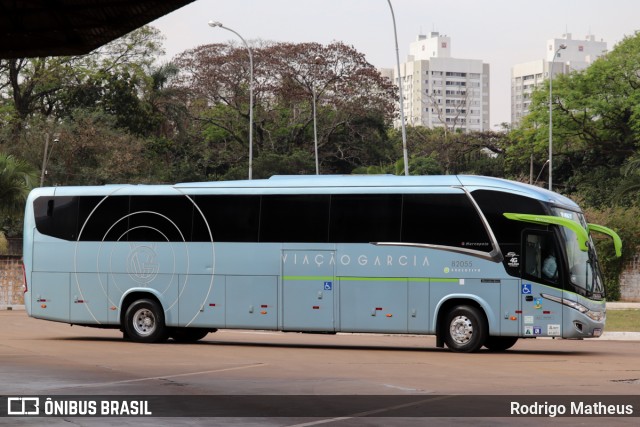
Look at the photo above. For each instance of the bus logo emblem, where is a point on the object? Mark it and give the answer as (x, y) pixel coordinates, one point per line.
(142, 265)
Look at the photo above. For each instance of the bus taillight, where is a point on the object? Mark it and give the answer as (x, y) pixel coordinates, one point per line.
(24, 278)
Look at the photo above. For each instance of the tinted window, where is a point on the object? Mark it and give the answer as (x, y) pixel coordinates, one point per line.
(364, 218)
(293, 218)
(494, 204)
(230, 218)
(160, 219)
(103, 218)
(443, 219)
(57, 216)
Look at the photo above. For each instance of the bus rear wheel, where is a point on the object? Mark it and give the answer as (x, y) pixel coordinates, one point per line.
(500, 343)
(465, 329)
(144, 322)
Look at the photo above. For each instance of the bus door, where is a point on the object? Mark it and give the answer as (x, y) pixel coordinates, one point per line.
(541, 316)
(308, 280)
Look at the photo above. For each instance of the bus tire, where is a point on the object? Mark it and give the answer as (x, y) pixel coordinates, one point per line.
(500, 343)
(144, 322)
(465, 329)
(187, 335)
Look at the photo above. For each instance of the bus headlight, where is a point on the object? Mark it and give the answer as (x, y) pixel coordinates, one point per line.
(597, 316)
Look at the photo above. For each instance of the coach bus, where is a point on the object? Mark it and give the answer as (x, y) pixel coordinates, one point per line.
(475, 261)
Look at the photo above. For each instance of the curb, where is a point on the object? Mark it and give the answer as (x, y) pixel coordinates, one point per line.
(620, 336)
(5, 307)
(623, 306)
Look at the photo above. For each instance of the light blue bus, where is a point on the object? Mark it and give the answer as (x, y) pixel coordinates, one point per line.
(475, 261)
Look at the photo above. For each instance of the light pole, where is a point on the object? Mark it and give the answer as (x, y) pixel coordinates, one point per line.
(46, 156)
(315, 122)
(219, 24)
(315, 128)
(562, 46)
(404, 129)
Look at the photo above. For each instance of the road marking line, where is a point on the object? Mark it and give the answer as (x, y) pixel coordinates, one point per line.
(371, 412)
(163, 377)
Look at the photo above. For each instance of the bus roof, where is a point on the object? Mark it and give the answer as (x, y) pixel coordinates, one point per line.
(470, 182)
(316, 183)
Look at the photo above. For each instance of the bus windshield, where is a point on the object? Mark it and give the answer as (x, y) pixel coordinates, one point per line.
(584, 271)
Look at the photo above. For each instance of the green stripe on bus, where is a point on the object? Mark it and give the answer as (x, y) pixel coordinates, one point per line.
(371, 279)
(323, 278)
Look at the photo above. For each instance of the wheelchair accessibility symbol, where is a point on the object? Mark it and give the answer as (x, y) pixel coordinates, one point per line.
(526, 289)
(327, 286)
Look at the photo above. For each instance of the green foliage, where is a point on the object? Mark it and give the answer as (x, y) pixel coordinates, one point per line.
(419, 166)
(4, 244)
(624, 220)
(17, 178)
(354, 106)
(596, 123)
(596, 136)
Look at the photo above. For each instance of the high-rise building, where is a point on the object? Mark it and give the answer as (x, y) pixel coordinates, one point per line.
(525, 77)
(440, 90)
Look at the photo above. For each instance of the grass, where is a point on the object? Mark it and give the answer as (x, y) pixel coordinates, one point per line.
(623, 321)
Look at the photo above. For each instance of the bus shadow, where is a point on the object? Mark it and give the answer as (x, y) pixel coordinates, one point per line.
(330, 346)
(513, 351)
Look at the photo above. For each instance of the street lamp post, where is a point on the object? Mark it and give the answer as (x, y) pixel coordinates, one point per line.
(219, 24)
(562, 46)
(315, 121)
(404, 129)
(46, 157)
(315, 128)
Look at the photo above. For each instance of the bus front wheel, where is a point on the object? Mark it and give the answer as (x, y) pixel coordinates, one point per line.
(465, 329)
(144, 322)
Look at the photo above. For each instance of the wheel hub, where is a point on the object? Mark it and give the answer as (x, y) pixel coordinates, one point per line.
(461, 329)
(145, 322)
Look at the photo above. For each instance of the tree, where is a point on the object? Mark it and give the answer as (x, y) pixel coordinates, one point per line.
(596, 123)
(114, 91)
(355, 104)
(93, 151)
(471, 152)
(17, 178)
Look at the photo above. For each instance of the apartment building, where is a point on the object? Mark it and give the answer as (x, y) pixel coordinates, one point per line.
(525, 77)
(440, 90)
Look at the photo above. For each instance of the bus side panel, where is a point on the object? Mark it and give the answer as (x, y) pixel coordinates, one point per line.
(252, 302)
(510, 321)
(53, 255)
(418, 300)
(373, 305)
(50, 296)
(88, 298)
(541, 316)
(308, 300)
(202, 301)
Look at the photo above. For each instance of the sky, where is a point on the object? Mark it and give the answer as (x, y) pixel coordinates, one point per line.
(499, 32)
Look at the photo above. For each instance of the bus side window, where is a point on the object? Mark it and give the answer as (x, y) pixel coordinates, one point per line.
(540, 257)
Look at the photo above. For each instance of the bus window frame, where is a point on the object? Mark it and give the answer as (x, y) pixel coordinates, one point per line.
(552, 239)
